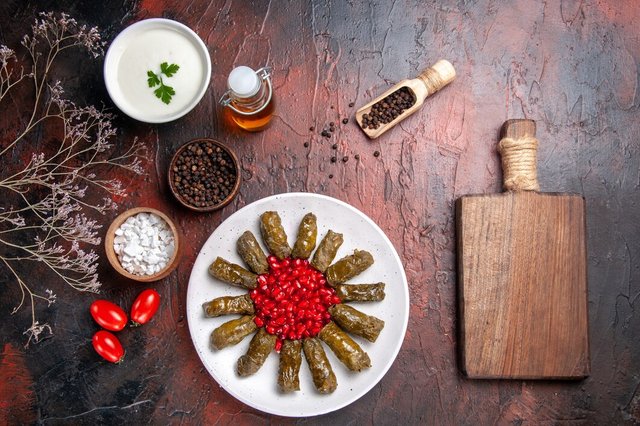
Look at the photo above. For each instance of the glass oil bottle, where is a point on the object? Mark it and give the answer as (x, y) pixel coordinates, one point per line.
(249, 98)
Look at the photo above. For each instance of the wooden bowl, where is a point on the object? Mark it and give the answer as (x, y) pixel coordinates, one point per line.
(113, 257)
(225, 201)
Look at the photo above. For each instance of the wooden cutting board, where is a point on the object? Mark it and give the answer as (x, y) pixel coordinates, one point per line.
(522, 275)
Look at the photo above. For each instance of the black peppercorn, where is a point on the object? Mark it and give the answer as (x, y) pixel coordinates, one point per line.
(387, 109)
(204, 172)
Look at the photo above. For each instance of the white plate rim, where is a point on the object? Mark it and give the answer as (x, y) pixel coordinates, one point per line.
(111, 84)
(380, 373)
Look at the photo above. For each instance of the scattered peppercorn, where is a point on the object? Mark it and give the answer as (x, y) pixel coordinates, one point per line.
(345, 120)
(332, 124)
(311, 129)
(306, 144)
(351, 104)
(357, 156)
(334, 159)
(326, 134)
(345, 159)
(334, 146)
(330, 176)
(376, 154)
(387, 109)
(203, 174)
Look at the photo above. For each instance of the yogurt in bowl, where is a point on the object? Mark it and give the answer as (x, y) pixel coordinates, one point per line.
(157, 70)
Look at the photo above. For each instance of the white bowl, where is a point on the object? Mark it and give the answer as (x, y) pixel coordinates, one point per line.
(142, 47)
(260, 390)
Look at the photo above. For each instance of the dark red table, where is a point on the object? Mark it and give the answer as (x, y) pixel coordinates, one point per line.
(572, 66)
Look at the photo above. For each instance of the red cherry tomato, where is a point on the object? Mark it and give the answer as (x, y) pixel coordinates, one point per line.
(108, 346)
(108, 315)
(145, 306)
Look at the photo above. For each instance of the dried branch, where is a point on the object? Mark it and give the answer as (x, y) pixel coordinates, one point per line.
(45, 222)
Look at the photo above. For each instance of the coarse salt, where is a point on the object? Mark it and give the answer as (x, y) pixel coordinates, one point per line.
(144, 244)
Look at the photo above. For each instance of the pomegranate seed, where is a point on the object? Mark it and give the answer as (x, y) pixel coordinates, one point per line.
(292, 299)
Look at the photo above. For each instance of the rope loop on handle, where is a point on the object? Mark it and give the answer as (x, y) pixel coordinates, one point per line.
(519, 163)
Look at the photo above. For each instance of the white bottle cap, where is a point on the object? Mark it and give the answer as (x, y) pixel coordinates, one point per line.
(243, 82)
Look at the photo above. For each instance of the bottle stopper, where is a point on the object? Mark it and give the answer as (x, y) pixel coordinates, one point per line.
(243, 82)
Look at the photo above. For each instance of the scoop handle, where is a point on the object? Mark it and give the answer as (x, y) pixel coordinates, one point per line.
(518, 148)
(437, 76)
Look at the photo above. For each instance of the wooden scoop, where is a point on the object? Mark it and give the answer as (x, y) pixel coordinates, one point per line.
(426, 84)
(522, 274)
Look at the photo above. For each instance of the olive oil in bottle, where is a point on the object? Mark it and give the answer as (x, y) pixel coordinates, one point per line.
(249, 98)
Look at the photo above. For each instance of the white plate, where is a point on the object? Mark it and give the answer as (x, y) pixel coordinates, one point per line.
(142, 47)
(261, 390)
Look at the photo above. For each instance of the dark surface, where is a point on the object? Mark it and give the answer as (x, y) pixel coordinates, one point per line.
(571, 65)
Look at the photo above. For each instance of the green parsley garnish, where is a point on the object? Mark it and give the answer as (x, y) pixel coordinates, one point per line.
(164, 92)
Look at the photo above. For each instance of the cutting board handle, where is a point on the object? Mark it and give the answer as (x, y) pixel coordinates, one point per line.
(437, 76)
(519, 150)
